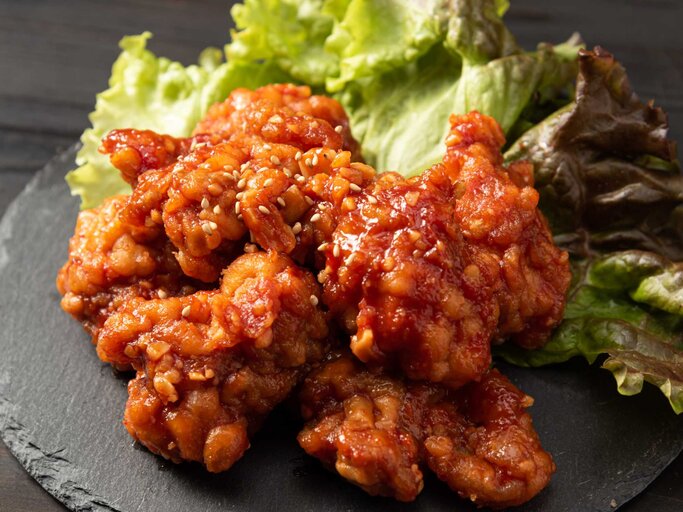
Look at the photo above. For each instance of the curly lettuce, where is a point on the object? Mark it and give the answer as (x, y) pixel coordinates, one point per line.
(612, 190)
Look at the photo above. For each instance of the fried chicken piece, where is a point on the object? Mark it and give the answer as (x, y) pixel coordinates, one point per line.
(212, 365)
(427, 271)
(243, 178)
(284, 114)
(111, 261)
(497, 210)
(380, 432)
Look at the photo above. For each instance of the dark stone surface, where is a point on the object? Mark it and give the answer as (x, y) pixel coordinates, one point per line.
(60, 410)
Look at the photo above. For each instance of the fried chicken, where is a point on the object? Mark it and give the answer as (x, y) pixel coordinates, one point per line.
(212, 365)
(111, 261)
(381, 432)
(241, 174)
(427, 271)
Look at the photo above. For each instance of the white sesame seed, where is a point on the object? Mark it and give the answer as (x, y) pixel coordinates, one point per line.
(213, 225)
(338, 128)
(287, 172)
(274, 160)
(228, 176)
(308, 200)
(349, 259)
(296, 228)
(281, 202)
(268, 182)
(217, 209)
(314, 300)
(354, 187)
(186, 311)
(239, 196)
(300, 179)
(314, 161)
(264, 210)
(315, 217)
(162, 294)
(275, 119)
(267, 147)
(238, 207)
(372, 200)
(241, 183)
(336, 251)
(263, 169)
(207, 228)
(205, 203)
(297, 156)
(322, 246)
(308, 162)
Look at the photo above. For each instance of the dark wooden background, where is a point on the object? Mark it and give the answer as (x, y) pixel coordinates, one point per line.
(56, 54)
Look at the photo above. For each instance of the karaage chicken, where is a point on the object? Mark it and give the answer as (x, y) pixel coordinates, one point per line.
(426, 272)
(381, 432)
(210, 366)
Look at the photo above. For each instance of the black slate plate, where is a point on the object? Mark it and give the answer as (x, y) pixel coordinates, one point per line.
(61, 408)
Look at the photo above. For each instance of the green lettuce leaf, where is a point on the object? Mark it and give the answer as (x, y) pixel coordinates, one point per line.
(150, 92)
(401, 67)
(612, 190)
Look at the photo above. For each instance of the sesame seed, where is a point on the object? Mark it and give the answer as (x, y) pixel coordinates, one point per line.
(314, 161)
(314, 124)
(315, 217)
(209, 373)
(268, 182)
(214, 189)
(372, 200)
(213, 225)
(235, 174)
(354, 187)
(241, 183)
(239, 196)
(264, 210)
(349, 259)
(308, 162)
(336, 251)
(297, 156)
(322, 247)
(267, 147)
(281, 202)
(238, 207)
(300, 179)
(338, 128)
(207, 229)
(205, 203)
(162, 294)
(228, 176)
(296, 228)
(186, 311)
(274, 160)
(217, 209)
(287, 172)
(263, 169)
(275, 119)
(314, 300)
(308, 200)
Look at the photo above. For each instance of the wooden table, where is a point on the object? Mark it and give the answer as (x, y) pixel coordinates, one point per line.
(55, 55)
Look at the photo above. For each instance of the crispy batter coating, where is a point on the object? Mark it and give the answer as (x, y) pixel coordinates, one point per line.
(497, 212)
(211, 366)
(111, 261)
(380, 433)
(427, 271)
(245, 177)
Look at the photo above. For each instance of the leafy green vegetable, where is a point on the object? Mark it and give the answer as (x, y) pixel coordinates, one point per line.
(613, 193)
(149, 92)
